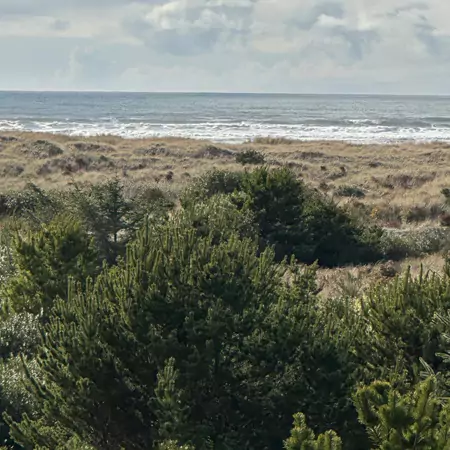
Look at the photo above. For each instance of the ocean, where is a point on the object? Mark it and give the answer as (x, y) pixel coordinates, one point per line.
(230, 117)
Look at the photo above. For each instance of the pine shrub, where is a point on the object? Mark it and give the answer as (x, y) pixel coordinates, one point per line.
(195, 338)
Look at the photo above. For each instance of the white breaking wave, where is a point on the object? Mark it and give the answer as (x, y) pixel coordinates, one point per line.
(360, 131)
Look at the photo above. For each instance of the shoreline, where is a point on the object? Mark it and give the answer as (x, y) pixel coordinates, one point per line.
(210, 133)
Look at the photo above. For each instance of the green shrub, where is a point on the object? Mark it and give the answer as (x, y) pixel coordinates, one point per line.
(250, 157)
(44, 260)
(399, 319)
(212, 183)
(220, 218)
(400, 244)
(394, 419)
(19, 334)
(303, 438)
(32, 203)
(111, 216)
(276, 200)
(350, 191)
(293, 218)
(334, 238)
(191, 337)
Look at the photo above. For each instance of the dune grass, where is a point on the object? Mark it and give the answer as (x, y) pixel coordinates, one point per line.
(397, 184)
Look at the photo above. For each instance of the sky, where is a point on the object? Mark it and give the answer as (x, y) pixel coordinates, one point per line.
(299, 46)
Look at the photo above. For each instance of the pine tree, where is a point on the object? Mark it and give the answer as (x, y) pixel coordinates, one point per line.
(112, 216)
(44, 260)
(190, 339)
(105, 212)
(303, 438)
(399, 323)
(394, 420)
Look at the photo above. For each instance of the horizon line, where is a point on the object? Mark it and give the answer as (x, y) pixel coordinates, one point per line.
(94, 91)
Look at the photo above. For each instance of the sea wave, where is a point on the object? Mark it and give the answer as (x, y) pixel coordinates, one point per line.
(362, 131)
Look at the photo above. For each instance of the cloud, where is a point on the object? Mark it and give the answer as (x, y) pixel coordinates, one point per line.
(271, 45)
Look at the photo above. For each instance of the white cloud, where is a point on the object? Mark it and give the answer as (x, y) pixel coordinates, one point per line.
(271, 45)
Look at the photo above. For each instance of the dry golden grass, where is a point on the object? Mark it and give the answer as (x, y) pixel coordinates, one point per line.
(353, 281)
(394, 178)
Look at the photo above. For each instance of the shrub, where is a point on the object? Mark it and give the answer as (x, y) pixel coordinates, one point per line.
(303, 438)
(334, 238)
(19, 334)
(414, 419)
(187, 340)
(44, 260)
(399, 320)
(250, 157)
(212, 183)
(32, 203)
(220, 218)
(111, 216)
(293, 218)
(399, 244)
(395, 418)
(350, 191)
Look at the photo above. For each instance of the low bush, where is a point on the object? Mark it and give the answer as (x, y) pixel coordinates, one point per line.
(400, 244)
(295, 219)
(250, 157)
(350, 191)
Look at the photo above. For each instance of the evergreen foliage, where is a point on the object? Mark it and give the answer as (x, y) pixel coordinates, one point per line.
(130, 324)
(293, 218)
(189, 339)
(250, 157)
(396, 421)
(111, 216)
(303, 438)
(399, 319)
(44, 260)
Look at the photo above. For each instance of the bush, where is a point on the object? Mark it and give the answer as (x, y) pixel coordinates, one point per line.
(187, 340)
(44, 260)
(113, 218)
(399, 318)
(350, 191)
(394, 418)
(414, 419)
(212, 183)
(32, 203)
(334, 238)
(250, 157)
(400, 244)
(293, 218)
(303, 438)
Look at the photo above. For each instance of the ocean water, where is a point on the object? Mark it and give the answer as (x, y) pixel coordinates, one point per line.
(230, 117)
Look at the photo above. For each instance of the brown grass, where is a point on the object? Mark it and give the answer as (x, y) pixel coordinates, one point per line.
(354, 281)
(398, 180)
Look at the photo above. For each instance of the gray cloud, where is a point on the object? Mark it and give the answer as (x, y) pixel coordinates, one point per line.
(327, 45)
